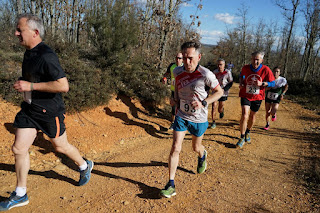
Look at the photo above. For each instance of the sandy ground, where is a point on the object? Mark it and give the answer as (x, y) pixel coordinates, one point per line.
(278, 172)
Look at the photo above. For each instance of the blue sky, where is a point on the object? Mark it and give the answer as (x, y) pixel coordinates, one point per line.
(217, 16)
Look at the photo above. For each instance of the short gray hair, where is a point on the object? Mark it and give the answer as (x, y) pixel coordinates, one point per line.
(221, 59)
(261, 53)
(34, 22)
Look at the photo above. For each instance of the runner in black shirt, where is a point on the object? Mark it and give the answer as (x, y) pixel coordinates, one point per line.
(43, 109)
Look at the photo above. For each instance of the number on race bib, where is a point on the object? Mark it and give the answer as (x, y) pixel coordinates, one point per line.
(186, 107)
(252, 89)
(272, 95)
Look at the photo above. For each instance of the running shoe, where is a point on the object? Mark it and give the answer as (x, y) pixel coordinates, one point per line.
(274, 117)
(14, 201)
(266, 127)
(222, 114)
(240, 143)
(171, 126)
(247, 137)
(168, 191)
(85, 175)
(202, 163)
(213, 126)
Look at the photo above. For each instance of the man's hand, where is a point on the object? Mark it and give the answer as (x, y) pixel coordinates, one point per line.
(196, 105)
(259, 83)
(22, 86)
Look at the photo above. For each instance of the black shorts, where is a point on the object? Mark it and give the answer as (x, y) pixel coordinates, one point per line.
(53, 126)
(223, 98)
(254, 105)
(272, 101)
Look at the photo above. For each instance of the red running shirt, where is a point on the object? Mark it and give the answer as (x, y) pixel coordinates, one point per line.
(248, 78)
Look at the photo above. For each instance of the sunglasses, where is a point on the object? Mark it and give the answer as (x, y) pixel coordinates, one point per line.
(179, 57)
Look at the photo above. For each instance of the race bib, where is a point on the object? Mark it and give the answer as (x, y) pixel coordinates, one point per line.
(272, 95)
(252, 89)
(27, 97)
(185, 106)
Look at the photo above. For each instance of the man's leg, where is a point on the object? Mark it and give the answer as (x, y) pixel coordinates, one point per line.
(244, 118)
(197, 145)
(24, 138)
(243, 124)
(169, 190)
(221, 108)
(178, 137)
(202, 153)
(252, 119)
(62, 145)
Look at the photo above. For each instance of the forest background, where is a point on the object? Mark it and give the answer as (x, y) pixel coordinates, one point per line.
(111, 47)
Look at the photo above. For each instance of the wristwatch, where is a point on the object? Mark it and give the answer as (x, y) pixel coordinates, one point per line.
(204, 103)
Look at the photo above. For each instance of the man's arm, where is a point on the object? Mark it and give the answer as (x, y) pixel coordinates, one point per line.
(217, 93)
(60, 85)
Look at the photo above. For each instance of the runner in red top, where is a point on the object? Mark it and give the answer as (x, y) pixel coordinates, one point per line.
(253, 80)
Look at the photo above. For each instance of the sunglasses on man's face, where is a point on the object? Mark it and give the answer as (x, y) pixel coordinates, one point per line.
(179, 57)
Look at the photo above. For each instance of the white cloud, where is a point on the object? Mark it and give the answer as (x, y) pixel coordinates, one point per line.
(225, 17)
(210, 37)
(186, 4)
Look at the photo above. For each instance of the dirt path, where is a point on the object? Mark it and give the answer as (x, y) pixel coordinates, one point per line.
(278, 172)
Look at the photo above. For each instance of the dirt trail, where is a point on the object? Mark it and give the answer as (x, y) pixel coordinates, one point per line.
(130, 149)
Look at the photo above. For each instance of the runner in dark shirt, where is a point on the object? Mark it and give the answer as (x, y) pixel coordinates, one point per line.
(42, 82)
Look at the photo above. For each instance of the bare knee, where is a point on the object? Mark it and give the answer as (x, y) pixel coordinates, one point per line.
(244, 116)
(175, 150)
(63, 148)
(19, 150)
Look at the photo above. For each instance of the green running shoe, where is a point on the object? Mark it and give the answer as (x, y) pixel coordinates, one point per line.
(168, 191)
(247, 137)
(202, 163)
(213, 126)
(240, 142)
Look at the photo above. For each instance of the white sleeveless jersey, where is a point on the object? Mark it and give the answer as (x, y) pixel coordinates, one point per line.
(190, 87)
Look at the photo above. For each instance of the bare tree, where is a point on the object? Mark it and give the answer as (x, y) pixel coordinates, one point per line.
(243, 33)
(312, 27)
(290, 15)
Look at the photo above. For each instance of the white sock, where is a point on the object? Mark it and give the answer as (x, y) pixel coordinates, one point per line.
(83, 166)
(21, 191)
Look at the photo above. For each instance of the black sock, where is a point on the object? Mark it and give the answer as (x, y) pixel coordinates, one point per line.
(171, 182)
(242, 136)
(247, 131)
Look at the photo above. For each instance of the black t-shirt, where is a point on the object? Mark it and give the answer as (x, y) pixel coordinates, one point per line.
(41, 64)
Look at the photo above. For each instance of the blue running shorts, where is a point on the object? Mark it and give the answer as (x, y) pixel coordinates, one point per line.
(196, 129)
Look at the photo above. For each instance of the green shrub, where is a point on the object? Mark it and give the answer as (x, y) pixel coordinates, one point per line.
(305, 93)
(141, 81)
(89, 86)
